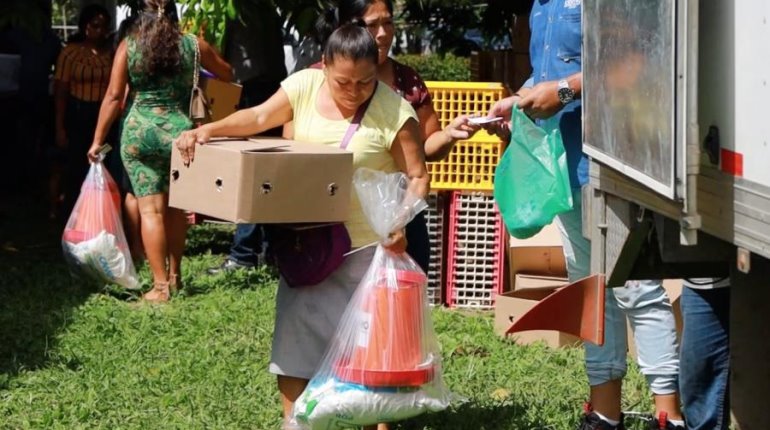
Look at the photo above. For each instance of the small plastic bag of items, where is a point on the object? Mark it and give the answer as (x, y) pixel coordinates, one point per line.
(384, 362)
(93, 242)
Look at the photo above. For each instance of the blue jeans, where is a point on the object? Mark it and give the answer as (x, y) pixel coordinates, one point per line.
(247, 244)
(647, 307)
(705, 358)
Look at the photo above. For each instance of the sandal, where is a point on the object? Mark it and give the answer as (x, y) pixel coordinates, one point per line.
(175, 283)
(158, 294)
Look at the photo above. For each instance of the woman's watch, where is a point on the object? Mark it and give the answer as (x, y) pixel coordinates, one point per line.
(566, 94)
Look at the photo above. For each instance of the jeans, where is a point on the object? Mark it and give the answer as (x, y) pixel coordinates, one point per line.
(705, 358)
(247, 242)
(647, 307)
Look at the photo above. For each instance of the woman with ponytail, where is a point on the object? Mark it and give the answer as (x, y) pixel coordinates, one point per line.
(157, 62)
(377, 17)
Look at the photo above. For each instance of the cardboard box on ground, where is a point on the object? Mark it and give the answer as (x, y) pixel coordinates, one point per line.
(536, 269)
(673, 289)
(264, 180)
(223, 97)
(513, 304)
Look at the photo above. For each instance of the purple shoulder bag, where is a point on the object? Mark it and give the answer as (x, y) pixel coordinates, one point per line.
(306, 255)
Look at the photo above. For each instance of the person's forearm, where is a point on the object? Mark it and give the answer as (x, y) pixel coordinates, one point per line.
(575, 83)
(241, 123)
(108, 113)
(419, 185)
(438, 145)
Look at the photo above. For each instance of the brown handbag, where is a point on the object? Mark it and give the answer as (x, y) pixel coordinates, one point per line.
(200, 112)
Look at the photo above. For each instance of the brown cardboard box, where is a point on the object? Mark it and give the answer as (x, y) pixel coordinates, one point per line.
(264, 180)
(513, 304)
(223, 97)
(541, 254)
(673, 288)
(523, 282)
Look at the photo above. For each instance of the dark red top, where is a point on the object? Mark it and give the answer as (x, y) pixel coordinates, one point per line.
(406, 82)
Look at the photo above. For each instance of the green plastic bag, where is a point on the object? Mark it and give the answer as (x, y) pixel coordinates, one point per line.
(532, 182)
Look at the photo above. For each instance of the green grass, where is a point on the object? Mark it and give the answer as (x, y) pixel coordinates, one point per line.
(75, 356)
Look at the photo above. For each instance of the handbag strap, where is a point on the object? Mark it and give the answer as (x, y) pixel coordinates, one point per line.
(356, 122)
(197, 64)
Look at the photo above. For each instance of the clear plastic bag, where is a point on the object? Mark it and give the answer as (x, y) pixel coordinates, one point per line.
(384, 362)
(93, 242)
(532, 181)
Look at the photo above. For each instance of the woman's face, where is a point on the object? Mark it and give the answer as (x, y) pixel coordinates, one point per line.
(379, 22)
(96, 29)
(351, 83)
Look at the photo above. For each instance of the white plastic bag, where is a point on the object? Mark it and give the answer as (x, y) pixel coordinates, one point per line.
(93, 240)
(384, 362)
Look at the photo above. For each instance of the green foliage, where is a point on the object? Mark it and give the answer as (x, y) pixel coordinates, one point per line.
(437, 67)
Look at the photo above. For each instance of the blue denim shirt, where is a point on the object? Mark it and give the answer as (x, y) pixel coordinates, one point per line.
(555, 53)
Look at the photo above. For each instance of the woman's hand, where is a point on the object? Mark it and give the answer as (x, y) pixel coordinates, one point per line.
(461, 129)
(93, 152)
(186, 142)
(396, 242)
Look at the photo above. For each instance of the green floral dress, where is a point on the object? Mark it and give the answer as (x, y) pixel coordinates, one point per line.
(158, 114)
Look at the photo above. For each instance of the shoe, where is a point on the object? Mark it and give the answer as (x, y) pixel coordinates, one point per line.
(662, 423)
(158, 294)
(228, 266)
(591, 421)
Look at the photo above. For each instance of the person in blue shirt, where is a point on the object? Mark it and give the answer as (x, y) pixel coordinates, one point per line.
(553, 91)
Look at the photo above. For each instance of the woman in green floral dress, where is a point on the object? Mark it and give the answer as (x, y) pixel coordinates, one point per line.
(157, 62)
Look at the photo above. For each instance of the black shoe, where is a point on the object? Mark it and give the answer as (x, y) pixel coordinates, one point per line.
(228, 266)
(662, 423)
(591, 421)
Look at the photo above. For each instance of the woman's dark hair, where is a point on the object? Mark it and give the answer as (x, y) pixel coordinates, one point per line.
(343, 12)
(158, 36)
(87, 15)
(352, 42)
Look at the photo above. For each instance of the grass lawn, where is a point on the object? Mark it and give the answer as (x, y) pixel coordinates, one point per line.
(74, 356)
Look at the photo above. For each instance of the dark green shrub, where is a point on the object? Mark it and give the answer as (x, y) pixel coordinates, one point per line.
(436, 67)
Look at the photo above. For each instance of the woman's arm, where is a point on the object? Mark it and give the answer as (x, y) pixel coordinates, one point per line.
(214, 63)
(113, 99)
(409, 154)
(272, 113)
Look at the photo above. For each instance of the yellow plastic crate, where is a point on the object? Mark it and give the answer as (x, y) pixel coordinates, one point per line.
(470, 165)
(451, 99)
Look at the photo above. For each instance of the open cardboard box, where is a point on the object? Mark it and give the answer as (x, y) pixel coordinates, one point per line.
(513, 304)
(223, 97)
(541, 255)
(264, 180)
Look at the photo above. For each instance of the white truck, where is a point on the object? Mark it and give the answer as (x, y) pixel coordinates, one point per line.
(677, 124)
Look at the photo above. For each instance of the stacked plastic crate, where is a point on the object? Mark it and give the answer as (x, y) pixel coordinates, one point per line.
(469, 253)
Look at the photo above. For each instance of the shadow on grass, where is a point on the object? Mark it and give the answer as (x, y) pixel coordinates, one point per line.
(209, 238)
(37, 292)
(472, 415)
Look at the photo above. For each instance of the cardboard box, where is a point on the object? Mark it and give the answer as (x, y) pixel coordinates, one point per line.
(223, 97)
(264, 180)
(541, 254)
(523, 282)
(673, 288)
(511, 305)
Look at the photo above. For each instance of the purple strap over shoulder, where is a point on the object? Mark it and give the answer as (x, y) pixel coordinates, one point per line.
(357, 118)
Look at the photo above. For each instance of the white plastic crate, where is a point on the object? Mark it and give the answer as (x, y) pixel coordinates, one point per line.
(434, 216)
(476, 251)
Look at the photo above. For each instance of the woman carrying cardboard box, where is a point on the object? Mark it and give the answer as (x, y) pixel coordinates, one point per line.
(323, 104)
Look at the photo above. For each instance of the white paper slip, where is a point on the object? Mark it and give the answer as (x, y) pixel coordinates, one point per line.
(484, 120)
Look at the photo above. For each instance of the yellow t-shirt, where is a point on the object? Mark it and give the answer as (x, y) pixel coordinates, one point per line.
(370, 144)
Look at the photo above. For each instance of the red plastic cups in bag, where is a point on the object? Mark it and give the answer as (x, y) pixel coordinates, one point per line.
(94, 243)
(384, 362)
